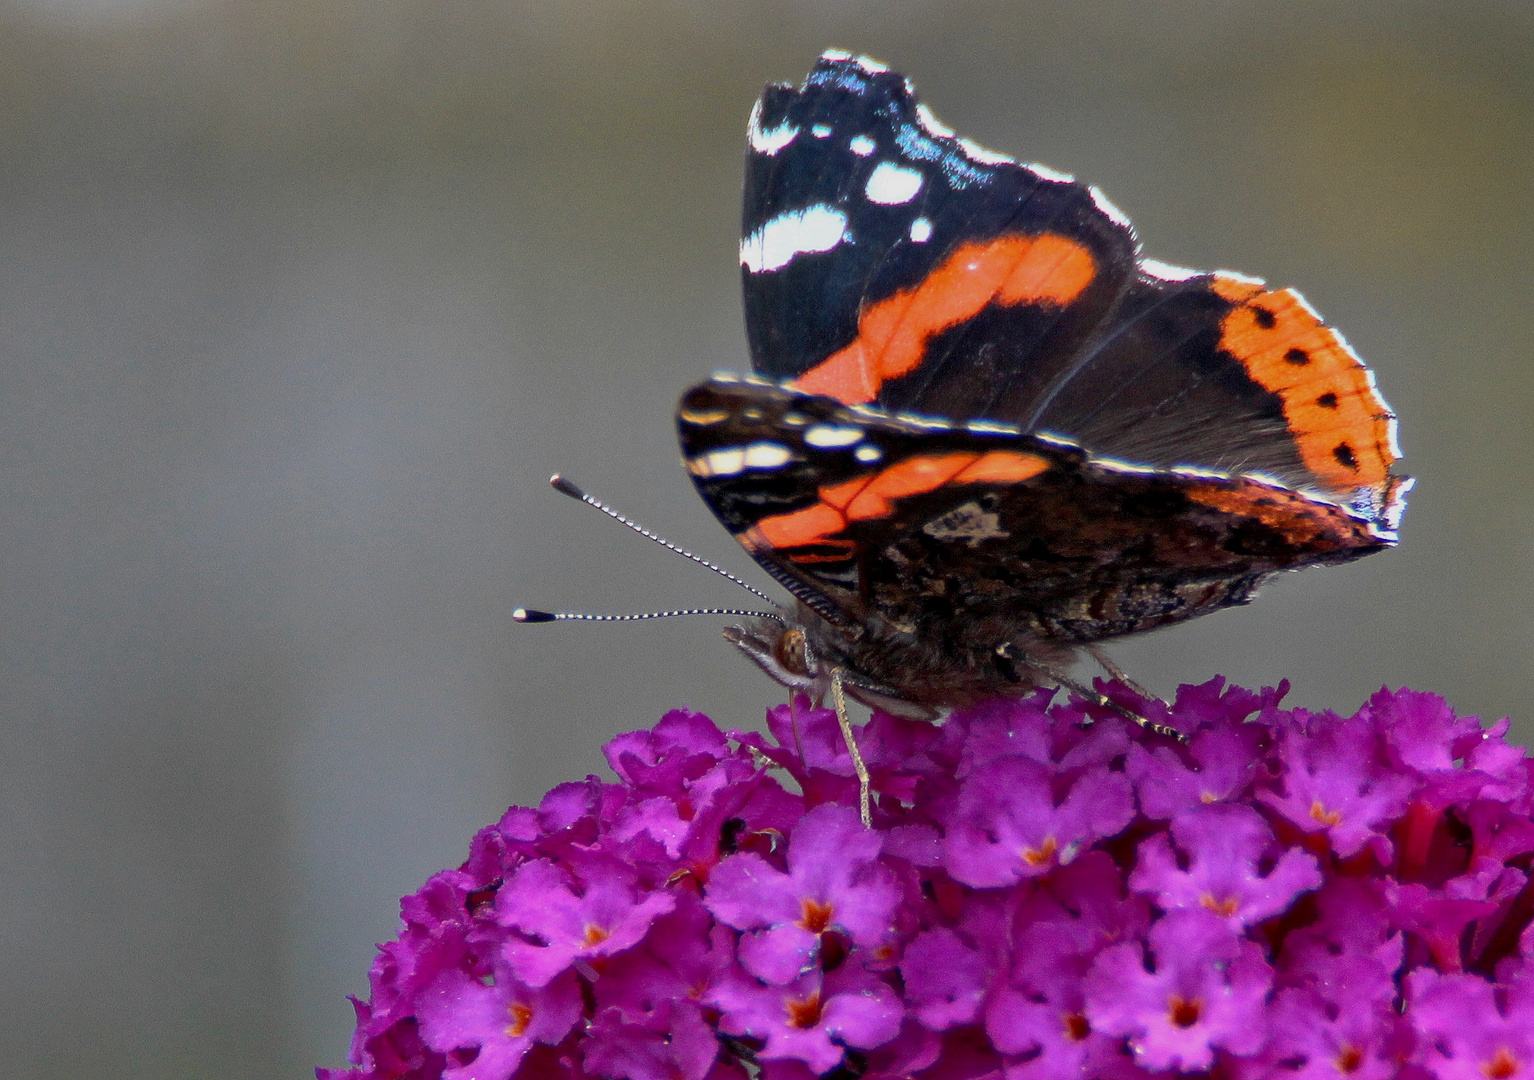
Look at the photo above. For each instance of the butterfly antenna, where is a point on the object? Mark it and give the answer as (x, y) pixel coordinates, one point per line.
(530, 615)
(565, 487)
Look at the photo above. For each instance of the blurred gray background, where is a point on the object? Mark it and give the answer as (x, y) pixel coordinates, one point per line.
(301, 301)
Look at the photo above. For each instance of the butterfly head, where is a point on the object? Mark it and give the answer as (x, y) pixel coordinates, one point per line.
(785, 650)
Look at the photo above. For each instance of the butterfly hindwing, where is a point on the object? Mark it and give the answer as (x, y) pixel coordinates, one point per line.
(914, 520)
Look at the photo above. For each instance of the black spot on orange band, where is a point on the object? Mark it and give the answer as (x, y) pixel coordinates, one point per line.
(1342, 427)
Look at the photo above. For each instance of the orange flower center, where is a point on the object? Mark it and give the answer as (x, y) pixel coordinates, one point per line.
(815, 916)
(1501, 1066)
(1223, 908)
(804, 1012)
(1043, 854)
(1321, 815)
(521, 1016)
(1184, 1012)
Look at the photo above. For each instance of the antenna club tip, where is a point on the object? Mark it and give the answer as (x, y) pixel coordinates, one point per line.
(565, 487)
(530, 615)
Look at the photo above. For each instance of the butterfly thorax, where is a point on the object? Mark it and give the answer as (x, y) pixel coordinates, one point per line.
(917, 669)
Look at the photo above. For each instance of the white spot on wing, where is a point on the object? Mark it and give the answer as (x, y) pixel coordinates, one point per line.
(1115, 215)
(862, 145)
(868, 453)
(979, 154)
(832, 436)
(1166, 271)
(921, 231)
(720, 462)
(931, 124)
(767, 455)
(1044, 172)
(890, 184)
(797, 232)
(870, 65)
(733, 460)
(821, 131)
(772, 140)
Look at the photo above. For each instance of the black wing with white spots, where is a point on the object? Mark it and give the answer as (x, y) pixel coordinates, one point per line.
(855, 192)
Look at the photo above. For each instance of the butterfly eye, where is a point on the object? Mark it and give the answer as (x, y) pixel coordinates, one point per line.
(792, 652)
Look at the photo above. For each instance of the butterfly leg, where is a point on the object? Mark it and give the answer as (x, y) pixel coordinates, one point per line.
(1117, 674)
(840, 698)
(1089, 694)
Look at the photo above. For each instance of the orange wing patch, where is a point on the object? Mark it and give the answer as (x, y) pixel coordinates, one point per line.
(1345, 431)
(873, 496)
(893, 334)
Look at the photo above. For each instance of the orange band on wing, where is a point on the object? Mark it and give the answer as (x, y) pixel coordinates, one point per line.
(893, 334)
(872, 496)
(1341, 424)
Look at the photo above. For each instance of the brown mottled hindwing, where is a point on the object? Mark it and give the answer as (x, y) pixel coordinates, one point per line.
(1085, 550)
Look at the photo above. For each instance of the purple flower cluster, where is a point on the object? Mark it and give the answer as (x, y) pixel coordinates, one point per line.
(1048, 891)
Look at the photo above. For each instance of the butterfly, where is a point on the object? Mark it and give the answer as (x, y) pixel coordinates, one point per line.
(984, 433)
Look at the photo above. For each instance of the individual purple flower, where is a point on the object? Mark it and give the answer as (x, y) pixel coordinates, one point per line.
(683, 955)
(565, 918)
(812, 1018)
(833, 883)
(1224, 847)
(1038, 1017)
(1217, 764)
(1009, 821)
(486, 1030)
(1313, 1038)
(1351, 952)
(1419, 731)
(1335, 784)
(1466, 1032)
(1205, 988)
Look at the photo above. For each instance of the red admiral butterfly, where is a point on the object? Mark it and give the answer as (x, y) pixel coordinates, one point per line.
(984, 432)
